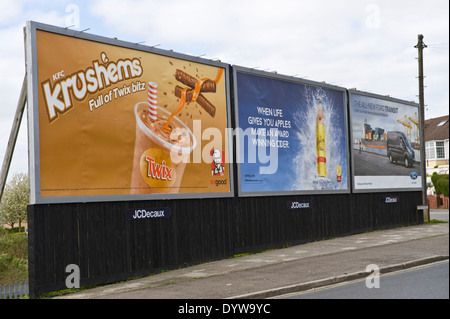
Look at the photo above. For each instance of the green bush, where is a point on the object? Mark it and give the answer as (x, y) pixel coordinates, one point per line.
(441, 183)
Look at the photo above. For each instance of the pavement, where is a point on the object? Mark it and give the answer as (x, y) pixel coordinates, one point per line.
(294, 269)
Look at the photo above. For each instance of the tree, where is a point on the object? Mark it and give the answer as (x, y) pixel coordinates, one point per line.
(440, 183)
(16, 197)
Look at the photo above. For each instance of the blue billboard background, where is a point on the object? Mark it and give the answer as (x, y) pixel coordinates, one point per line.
(277, 121)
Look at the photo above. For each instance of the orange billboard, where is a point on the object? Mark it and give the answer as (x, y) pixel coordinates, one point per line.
(113, 120)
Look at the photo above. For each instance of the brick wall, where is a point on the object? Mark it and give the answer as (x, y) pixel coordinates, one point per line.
(432, 201)
(435, 201)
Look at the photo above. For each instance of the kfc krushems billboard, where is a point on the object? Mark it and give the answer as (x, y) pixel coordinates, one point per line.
(291, 135)
(112, 120)
(385, 143)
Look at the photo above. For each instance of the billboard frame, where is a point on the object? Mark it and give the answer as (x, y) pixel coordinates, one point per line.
(273, 75)
(389, 99)
(33, 117)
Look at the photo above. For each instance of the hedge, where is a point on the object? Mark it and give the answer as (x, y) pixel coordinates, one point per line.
(441, 183)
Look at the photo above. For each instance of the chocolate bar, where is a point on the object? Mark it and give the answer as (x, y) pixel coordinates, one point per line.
(186, 79)
(201, 100)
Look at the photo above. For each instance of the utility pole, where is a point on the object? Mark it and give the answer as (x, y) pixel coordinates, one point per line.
(420, 46)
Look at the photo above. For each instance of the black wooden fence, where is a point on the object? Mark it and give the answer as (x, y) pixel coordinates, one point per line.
(108, 247)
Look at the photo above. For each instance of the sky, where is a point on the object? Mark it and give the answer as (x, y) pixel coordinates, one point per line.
(367, 45)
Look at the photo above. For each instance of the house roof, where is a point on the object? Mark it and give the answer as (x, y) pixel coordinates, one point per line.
(435, 130)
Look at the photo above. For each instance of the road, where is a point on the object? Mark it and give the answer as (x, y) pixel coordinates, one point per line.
(371, 164)
(439, 214)
(426, 282)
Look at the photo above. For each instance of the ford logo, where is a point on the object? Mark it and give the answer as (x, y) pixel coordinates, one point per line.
(413, 175)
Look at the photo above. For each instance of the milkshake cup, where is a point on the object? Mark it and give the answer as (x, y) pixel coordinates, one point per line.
(159, 158)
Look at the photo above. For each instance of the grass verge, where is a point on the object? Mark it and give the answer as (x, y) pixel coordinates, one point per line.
(13, 257)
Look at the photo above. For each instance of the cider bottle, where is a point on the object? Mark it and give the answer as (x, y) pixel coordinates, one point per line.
(321, 143)
(338, 173)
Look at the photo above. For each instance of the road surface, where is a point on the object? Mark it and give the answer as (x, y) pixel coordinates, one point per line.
(426, 282)
(371, 164)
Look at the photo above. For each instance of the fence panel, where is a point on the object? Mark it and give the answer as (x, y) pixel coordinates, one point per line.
(14, 291)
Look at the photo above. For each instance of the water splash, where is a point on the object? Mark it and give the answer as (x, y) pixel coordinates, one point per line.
(305, 161)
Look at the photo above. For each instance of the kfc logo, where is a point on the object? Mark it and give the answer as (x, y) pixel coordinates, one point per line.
(217, 164)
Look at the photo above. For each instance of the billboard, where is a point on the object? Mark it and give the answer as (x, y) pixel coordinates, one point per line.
(112, 120)
(385, 143)
(291, 135)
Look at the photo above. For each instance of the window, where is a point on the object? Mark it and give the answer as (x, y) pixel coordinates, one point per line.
(442, 123)
(435, 150)
(430, 151)
(440, 153)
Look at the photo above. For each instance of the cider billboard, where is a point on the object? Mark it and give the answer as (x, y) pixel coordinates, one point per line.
(291, 135)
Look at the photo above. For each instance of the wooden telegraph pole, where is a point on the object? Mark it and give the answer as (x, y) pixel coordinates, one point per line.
(420, 46)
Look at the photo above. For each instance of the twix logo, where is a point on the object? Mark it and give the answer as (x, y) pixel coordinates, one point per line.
(61, 88)
(158, 171)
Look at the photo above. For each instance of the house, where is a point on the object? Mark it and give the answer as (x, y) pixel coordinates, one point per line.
(436, 145)
(436, 152)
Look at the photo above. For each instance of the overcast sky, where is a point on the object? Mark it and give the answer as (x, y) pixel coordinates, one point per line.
(367, 45)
